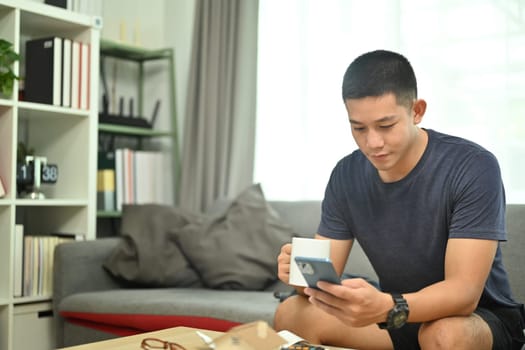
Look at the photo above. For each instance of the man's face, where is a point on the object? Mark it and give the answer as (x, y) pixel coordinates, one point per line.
(387, 134)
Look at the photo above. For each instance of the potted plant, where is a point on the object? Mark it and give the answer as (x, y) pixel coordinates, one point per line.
(7, 77)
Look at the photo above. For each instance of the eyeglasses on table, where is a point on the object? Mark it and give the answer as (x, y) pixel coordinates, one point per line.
(155, 343)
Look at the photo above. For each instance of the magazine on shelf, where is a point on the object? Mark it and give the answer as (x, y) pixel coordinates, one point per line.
(18, 262)
(36, 261)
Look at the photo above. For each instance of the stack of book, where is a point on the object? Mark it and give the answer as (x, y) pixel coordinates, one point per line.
(33, 267)
(106, 189)
(128, 176)
(57, 72)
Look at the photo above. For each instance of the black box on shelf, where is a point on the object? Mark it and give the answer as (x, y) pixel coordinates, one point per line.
(126, 121)
(43, 64)
(58, 3)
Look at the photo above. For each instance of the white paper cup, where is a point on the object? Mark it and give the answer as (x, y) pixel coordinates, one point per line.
(315, 248)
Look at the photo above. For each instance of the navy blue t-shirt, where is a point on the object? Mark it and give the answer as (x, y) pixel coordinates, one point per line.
(455, 191)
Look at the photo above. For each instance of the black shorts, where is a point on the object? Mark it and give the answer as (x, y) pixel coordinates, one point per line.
(507, 325)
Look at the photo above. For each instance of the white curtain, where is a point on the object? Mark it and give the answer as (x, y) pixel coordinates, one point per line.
(469, 59)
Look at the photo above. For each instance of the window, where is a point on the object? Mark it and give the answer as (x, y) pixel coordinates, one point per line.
(472, 74)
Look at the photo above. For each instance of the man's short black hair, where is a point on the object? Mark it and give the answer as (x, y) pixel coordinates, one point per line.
(380, 72)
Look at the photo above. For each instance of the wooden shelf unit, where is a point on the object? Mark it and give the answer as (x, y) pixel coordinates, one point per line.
(68, 138)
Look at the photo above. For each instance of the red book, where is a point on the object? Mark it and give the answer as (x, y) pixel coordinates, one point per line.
(75, 74)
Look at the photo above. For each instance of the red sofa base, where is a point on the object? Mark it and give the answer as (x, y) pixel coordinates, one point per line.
(130, 324)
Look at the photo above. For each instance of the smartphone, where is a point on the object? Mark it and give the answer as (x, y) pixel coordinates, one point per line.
(317, 269)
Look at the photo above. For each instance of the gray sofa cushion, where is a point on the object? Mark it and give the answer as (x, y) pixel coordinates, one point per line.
(237, 306)
(148, 254)
(237, 249)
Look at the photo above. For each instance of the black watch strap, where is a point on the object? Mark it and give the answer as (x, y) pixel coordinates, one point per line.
(398, 299)
(383, 325)
(398, 315)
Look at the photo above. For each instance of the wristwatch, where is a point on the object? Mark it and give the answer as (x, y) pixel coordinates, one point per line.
(398, 315)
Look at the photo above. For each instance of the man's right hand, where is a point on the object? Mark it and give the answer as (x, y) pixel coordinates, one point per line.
(283, 261)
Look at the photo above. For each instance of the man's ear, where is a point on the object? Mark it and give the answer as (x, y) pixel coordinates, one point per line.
(419, 107)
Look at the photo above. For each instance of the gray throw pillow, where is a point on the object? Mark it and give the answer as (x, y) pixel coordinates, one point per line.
(148, 254)
(237, 249)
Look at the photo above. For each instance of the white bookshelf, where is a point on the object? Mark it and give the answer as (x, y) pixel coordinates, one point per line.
(68, 138)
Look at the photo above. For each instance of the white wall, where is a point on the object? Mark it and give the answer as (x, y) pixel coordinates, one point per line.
(155, 24)
(136, 22)
(178, 26)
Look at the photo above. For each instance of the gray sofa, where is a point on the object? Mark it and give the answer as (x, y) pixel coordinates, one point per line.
(81, 285)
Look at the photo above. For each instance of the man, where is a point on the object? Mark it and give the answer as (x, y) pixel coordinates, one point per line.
(428, 210)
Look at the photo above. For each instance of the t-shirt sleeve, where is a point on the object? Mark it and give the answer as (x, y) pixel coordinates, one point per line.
(479, 200)
(334, 216)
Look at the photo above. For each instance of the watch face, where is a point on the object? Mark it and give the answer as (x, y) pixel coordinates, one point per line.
(399, 319)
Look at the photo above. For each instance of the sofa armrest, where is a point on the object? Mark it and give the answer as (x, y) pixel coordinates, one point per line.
(77, 268)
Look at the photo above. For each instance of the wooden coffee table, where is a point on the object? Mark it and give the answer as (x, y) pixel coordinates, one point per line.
(184, 335)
